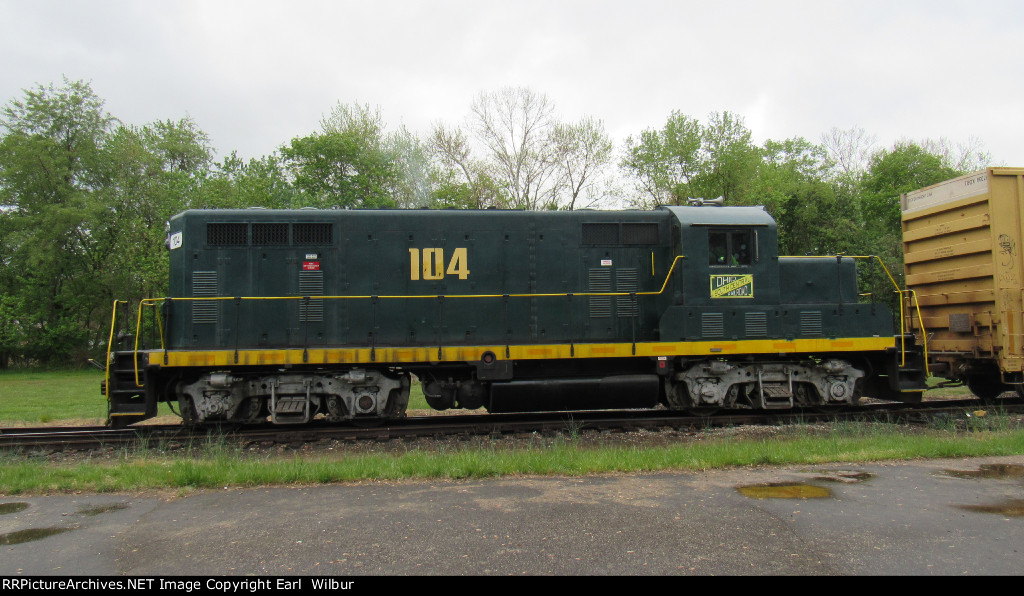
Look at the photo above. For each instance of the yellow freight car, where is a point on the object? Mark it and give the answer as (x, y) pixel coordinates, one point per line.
(963, 247)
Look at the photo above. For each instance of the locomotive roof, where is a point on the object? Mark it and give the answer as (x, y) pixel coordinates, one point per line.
(712, 215)
(689, 215)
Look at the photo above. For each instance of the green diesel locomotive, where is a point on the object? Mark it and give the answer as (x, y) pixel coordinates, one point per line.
(295, 314)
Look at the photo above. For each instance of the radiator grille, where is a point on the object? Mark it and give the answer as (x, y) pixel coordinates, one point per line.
(270, 234)
(600, 233)
(227, 234)
(639, 233)
(313, 233)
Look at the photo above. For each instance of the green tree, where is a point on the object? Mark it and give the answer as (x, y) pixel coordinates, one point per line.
(87, 200)
(729, 160)
(51, 163)
(891, 173)
(350, 163)
(664, 163)
(260, 182)
(688, 159)
(815, 215)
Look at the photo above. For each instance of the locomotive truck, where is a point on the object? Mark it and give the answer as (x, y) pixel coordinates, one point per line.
(290, 315)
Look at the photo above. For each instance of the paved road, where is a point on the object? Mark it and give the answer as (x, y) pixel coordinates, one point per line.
(921, 517)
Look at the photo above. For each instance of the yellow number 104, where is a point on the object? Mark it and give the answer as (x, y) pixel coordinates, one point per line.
(433, 264)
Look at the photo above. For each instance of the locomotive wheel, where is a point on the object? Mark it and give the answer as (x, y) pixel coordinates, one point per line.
(189, 416)
(250, 412)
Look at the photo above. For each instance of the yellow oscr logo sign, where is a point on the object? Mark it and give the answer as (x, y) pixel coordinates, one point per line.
(732, 286)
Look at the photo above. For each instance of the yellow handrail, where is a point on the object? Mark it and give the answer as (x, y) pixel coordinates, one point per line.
(110, 344)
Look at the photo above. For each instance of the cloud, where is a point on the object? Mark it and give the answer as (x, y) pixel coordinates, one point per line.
(255, 74)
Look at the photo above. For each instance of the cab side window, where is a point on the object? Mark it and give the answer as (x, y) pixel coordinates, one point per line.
(732, 248)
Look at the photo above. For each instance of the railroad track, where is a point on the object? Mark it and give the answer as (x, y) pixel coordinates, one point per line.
(97, 437)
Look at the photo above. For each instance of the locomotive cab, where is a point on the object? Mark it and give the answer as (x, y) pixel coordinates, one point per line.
(766, 331)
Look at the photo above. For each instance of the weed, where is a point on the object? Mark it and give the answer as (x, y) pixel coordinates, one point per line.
(574, 428)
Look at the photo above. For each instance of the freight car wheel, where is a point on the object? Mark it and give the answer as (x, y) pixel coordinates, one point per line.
(986, 389)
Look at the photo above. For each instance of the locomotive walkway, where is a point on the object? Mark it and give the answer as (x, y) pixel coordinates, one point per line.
(941, 517)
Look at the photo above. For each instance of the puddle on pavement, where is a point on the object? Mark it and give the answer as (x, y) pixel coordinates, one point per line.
(1008, 508)
(989, 471)
(785, 490)
(844, 476)
(100, 509)
(6, 508)
(29, 535)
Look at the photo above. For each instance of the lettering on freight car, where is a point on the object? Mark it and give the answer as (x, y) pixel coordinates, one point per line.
(431, 265)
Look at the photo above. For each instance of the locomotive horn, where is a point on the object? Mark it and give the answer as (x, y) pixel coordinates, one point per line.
(698, 201)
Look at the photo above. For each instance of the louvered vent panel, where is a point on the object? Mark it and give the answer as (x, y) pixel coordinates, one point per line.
(626, 281)
(756, 324)
(270, 234)
(712, 324)
(227, 234)
(810, 323)
(204, 283)
(311, 283)
(313, 233)
(600, 281)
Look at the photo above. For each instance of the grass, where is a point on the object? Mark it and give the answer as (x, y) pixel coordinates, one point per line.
(73, 397)
(29, 396)
(217, 463)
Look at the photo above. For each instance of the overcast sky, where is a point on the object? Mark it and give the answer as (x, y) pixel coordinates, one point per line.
(253, 74)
